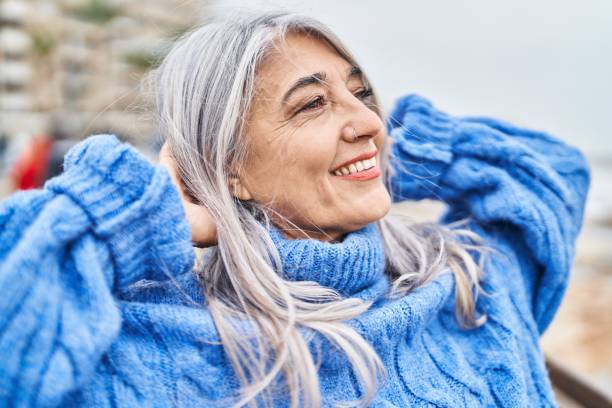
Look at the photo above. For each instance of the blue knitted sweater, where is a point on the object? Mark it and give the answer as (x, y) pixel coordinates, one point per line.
(99, 306)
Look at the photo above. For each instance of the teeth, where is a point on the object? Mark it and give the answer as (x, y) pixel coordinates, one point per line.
(356, 167)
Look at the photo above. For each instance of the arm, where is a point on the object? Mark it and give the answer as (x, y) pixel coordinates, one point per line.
(525, 188)
(67, 252)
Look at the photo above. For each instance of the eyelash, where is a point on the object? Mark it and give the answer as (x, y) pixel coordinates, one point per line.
(319, 100)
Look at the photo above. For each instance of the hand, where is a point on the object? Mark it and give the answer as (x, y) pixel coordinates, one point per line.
(203, 228)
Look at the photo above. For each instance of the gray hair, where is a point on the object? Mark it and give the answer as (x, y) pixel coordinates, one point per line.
(204, 89)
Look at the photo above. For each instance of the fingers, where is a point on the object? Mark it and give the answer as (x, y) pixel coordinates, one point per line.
(203, 228)
(167, 160)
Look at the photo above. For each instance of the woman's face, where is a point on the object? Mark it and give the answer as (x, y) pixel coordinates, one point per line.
(314, 145)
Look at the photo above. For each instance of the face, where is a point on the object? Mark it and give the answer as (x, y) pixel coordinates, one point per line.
(314, 144)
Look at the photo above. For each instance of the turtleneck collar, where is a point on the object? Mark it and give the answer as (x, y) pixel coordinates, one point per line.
(351, 267)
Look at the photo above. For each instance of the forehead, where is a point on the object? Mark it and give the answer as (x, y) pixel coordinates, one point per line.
(296, 56)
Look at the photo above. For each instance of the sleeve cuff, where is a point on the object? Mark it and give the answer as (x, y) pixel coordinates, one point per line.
(133, 206)
(421, 149)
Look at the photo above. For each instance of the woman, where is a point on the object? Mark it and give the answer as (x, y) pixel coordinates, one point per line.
(310, 294)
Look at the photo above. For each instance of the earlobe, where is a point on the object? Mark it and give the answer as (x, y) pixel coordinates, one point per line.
(238, 189)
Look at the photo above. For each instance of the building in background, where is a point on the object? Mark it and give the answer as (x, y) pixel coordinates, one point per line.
(84, 60)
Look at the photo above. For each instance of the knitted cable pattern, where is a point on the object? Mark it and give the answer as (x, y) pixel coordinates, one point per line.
(99, 306)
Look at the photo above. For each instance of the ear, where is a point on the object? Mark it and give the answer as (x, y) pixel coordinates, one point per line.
(238, 189)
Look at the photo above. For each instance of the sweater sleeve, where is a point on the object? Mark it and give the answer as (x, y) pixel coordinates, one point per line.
(524, 189)
(68, 252)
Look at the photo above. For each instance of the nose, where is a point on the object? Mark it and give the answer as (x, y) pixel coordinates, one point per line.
(361, 122)
(349, 134)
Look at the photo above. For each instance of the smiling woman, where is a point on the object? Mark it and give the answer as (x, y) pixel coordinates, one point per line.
(301, 110)
(277, 157)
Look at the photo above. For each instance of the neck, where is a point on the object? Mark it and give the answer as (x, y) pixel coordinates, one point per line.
(318, 235)
(330, 235)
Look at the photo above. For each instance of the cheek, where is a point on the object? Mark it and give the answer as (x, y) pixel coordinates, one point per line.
(306, 179)
(292, 173)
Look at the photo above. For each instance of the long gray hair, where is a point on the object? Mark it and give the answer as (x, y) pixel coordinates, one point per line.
(204, 90)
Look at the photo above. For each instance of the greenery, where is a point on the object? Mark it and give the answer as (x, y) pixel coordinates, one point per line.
(42, 42)
(96, 11)
(143, 60)
(176, 31)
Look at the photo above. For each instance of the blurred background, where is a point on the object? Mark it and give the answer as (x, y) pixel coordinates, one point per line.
(70, 68)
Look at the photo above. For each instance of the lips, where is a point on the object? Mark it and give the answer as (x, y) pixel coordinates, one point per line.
(361, 157)
(363, 175)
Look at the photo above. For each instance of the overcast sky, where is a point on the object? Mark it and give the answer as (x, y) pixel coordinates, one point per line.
(544, 64)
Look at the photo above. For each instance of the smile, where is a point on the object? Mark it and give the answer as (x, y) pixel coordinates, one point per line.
(363, 167)
(356, 167)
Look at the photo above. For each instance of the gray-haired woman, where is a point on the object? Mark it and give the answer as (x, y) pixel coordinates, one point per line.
(311, 293)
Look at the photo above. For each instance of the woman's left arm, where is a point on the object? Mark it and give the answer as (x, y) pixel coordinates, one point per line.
(522, 187)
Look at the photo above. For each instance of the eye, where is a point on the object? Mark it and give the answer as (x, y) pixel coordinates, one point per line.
(364, 93)
(314, 104)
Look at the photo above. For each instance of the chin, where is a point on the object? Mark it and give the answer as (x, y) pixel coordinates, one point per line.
(380, 205)
(373, 210)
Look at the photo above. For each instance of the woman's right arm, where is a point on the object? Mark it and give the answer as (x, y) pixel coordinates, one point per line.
(67, 252)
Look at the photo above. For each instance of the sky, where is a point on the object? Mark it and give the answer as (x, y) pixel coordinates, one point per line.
(542, 64)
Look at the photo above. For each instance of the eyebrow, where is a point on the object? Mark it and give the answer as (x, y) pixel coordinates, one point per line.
(355, 72)
(317, 78)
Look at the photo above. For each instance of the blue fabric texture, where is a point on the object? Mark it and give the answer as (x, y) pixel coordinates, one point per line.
(100, 306)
